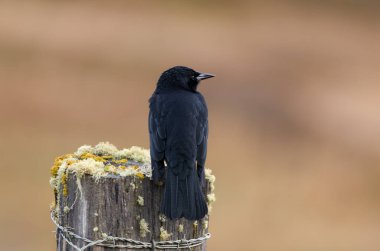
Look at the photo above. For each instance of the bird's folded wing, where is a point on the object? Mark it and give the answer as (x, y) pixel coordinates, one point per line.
(202, 135)
(157, 137)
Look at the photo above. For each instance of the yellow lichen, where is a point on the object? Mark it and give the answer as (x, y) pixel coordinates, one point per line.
(164, 235)
(144, 228)
(106, 153)
(110, 168)
(53, 182)
(140, 200)
(140, 175)
(210, 178)
(195, 227)
(95, 229)
(83, 149)
(71, 161)
(127, 172)
(180, 228)
(135, 153)
(57, 163)
(211, 196)
(65, 156)
(54, 169)
(121, 161)
(64, 184)
(211, 199)
(162, 218)
(205, 224)
(92, 156)
(88, 166)
(133, 186)
(66, 209)
(104, 148)
(107, 157)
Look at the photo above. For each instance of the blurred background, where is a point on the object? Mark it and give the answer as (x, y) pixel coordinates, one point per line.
(293, 112)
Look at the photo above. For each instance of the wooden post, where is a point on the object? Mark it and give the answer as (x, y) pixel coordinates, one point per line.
(118, 206)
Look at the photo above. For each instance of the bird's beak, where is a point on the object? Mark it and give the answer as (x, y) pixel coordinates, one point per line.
(204, 76)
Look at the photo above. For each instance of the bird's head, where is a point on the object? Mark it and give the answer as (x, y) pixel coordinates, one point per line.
(181, 77)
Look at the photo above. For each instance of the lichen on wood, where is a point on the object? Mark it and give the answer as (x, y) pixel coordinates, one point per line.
(101, 191)
(144, 227)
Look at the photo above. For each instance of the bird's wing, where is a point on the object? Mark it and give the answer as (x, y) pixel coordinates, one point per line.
(202, 136)
(157, 137)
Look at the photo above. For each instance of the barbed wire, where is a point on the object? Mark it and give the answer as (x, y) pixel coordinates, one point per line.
(110, 241)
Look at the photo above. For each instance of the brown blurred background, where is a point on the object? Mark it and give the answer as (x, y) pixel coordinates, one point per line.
(294, 110)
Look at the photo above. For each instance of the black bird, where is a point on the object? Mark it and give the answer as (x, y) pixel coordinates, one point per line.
(178, 129)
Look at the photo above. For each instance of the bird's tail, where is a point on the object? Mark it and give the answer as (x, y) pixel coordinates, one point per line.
(183, 197)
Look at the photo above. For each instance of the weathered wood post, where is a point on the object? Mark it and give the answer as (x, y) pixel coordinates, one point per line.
(105, 200)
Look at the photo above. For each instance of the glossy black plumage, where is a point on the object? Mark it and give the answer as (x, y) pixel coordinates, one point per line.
(178, 128)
